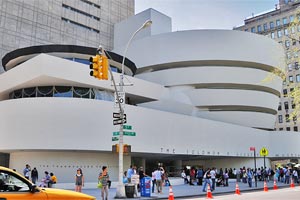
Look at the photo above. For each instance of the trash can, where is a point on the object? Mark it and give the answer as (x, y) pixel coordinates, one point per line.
(146, 187)
(129, 190)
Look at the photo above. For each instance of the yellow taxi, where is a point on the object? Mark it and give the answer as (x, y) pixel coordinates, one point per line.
(14, 186)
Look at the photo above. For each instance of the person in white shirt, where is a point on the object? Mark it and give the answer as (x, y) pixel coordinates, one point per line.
(213, 178)
(158, 174)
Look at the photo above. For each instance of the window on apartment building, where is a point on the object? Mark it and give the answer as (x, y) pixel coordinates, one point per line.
(286, 105)
(284, 92)
(293, 105)
(286, 32)
(278, 22)
(295, 128)
(281, 129)
(272, 35)
(253, 30)
(279, 106)
(284, 21)
(280, 118)
(279, 34)
(259, 28)
(291, 89)
(288, 55)
(291, 79)
(287, 118)
(287, 43)
(296, 65)
(290, 67)
(294, 43)
(284, 82)
(295, 118)
(288, 128)
(298, 78)
(265, 27)
(291, 18)
(271, 25)
(295, 54)
(292, 29)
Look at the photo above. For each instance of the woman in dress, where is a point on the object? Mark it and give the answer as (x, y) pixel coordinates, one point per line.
(79, 180)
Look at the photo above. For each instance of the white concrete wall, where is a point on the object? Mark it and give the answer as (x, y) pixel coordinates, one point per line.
(125, 29)
(65, 163)
(205, 45)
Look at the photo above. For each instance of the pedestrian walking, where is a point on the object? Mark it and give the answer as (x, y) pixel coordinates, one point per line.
(206, 180)
(249, 177)
(34, 175)
(104, 178)
(26, 171)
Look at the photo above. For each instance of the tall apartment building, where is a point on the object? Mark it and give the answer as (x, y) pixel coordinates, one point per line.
(275, 24)
(75, 22)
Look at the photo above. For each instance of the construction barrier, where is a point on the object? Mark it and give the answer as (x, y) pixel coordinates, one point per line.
(275, 185)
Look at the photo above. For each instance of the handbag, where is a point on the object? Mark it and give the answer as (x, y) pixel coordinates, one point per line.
(99, 185)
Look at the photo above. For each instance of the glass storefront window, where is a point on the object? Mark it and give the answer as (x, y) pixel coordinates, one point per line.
(80, 92)
(62, 91)
(29, 92)
(45, 91)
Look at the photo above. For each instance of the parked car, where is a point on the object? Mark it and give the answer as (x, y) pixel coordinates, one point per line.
(14, 186)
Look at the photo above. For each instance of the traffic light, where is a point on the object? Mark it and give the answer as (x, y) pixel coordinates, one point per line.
(105, 66)
(99, 65)
(115, 148)
(95, 66)
(126, 148)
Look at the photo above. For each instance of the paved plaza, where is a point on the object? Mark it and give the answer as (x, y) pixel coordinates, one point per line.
(183, 191)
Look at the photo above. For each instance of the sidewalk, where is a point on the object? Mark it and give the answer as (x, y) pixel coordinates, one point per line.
(181, 191)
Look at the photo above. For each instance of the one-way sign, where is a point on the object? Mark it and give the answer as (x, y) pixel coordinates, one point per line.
(119, 121)
(118, 115)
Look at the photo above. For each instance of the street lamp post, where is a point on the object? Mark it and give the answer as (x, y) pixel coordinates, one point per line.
(120, 187)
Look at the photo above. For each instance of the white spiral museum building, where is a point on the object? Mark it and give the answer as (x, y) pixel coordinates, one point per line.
(197, 98)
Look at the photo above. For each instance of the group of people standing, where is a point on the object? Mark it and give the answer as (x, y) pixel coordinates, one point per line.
(103, 177)
(47, 181)
(159, 177)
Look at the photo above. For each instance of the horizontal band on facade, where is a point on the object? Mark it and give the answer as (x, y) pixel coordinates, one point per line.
(54, 48)
(207, 63)
(237, 108)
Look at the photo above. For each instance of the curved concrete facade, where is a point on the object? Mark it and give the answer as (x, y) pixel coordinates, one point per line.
(224, 75)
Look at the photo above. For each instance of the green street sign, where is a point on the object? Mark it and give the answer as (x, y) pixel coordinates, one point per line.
(114, 138)
(116, 133)
(127, 133)
(127, 127)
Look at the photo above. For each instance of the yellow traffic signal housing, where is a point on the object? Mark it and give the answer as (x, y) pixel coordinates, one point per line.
(95, 66)
(105, 66)
(99, 65)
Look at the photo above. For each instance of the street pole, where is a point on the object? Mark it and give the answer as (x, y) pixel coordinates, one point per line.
(120, 193)
(255, 178)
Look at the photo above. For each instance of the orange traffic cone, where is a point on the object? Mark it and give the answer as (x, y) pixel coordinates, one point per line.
(237, 189)
(265, 187)
(209, 194)
(292, 183)
(275, 185)
(171, 195)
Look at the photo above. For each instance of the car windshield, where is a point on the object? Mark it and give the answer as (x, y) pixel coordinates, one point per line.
(11, 183)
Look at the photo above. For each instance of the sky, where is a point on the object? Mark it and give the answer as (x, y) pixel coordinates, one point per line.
(206, 14)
